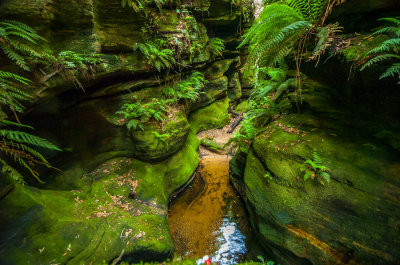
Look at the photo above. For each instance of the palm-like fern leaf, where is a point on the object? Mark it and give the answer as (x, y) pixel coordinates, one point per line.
(11, 91)
(17, 147)
(272, 37)
(387, 50)
(17, 40)
(391, 71)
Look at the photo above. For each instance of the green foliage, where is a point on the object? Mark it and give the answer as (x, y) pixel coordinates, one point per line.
(273, 36)
(17, 41)
(387, 49)
(17, 149)
(69, 63)
(138, 113)
(162, 137)
(270, 81)
(283, 29)
(188, 89)
(243, 138)
(311, 10)
(216, 46)
(269, 262)
(264, 104)
(246, 8)
(11, 91)
(156, 56)
(315, 170)
(140, 5)
(73, 60)
(325, 37)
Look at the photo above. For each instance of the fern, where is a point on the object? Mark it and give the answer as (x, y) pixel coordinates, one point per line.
(17, 40)
(11, 91)
(243, 138)
(138, 113)
(140, 5)
(315, 169)
(273, 36)
(216, 46)
(379, 59)
(283, 24)
(162, 137)
(387, 49)
(392, 71)
(312, 10)
(68, 64)
(17, 147)
(188, 89)
(156, 56)
(326, 36)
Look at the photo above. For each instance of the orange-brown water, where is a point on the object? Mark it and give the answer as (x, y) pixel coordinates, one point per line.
(202, 215)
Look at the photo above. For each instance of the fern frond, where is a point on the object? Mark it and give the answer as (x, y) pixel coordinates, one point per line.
(391, 71)
(22, 137)
(394, 30)
(13, 173)
(385, 46)
(18, 40)
(393, 20)
(379, 59)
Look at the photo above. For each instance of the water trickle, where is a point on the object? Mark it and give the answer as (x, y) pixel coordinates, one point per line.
(209, 218)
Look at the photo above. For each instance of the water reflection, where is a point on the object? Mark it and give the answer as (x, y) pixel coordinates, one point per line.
(208, 218)
(232, 244)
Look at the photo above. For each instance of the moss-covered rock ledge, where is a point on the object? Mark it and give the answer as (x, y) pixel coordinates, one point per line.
(97, 222)
(352, 220)
(119, 207)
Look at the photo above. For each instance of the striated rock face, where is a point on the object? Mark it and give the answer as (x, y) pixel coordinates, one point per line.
(352, 220)
(110, 196)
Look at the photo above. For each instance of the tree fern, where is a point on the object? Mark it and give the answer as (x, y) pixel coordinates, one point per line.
(282, 24)
(18, 40)
(312, 10)
(272, 37)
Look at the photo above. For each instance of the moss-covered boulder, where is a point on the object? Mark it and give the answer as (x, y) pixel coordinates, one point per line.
(214, 90)
(122, 212)
(213, 116)
(234, 87)
(218, 69)
(159, 141)
(211, 145)
(353, 219)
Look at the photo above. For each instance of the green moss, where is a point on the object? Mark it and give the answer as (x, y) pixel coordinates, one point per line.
(213, 116)
(218, 68)
(159, 141)
(61, 226)
(234, 87)
(361, 45)
(294, 214)
(211, 145)
(243, 107)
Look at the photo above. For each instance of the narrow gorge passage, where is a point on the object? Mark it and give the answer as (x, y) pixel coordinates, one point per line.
(209, 218)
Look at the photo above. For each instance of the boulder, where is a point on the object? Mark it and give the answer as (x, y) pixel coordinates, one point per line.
(159, 141)
(98, 221)
(353, 219)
